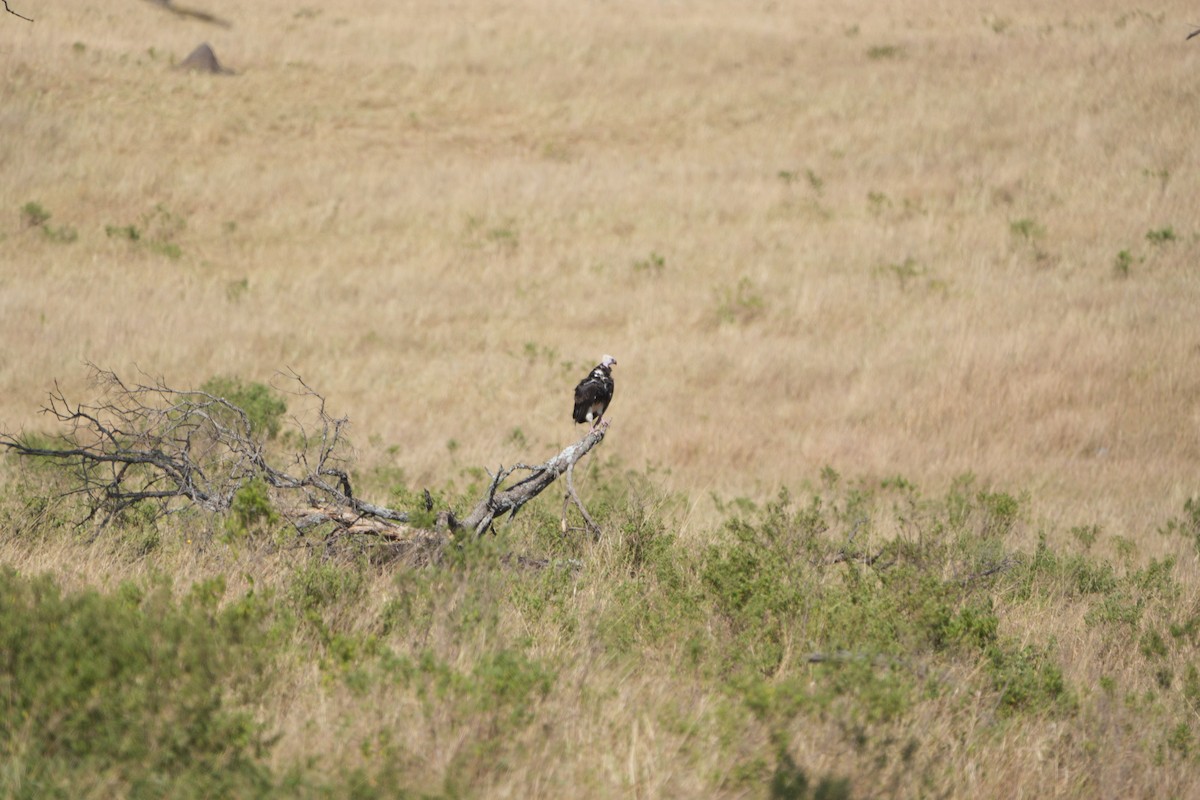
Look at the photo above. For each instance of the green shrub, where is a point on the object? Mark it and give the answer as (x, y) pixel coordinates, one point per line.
(1122, 263)
(1027, 679)
(1026, 228)
(318, 584)
(741, 304)
(884, 51)
(128, 232)
(1161, 235)
(251, 510)
(262, 404)
(789, 782)
(508, 683)
(34, 215)
(1000, 512)
(155, 230)
(653, 264)
(1181, 740)
(1187, 525)
(127, 689)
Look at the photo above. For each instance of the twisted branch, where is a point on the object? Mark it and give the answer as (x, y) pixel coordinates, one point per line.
(165, 448)
(151, 442)
(14, 13)
(497, 503)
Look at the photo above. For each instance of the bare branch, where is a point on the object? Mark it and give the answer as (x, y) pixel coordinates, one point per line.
(497, 503)
(142, 443)
(15, 14)
(197, 14)
(570, 495)
(151, 442)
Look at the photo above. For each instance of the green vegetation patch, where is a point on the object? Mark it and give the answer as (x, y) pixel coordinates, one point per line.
(133, 689)
(791, 622)
(264, 406)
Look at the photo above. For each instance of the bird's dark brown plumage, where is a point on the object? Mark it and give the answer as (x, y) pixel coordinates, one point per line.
(594, 393)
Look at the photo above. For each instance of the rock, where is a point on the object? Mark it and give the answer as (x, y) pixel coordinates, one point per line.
(203, 59)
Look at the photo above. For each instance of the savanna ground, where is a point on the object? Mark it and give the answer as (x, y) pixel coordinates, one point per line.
(930, 268)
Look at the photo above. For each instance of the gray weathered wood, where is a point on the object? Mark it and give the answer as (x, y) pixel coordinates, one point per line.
(497, 503)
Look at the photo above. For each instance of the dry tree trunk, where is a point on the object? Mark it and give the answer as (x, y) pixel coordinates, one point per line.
(511, 499)
(151, 443)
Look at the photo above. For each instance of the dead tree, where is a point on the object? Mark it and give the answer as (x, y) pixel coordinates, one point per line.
(153, 444)
(497, 503)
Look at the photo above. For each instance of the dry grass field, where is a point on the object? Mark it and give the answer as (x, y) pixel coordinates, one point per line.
(883, 239)
(913, 239)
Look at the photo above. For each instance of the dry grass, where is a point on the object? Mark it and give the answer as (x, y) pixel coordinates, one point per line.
(413, 195)
(880, 238)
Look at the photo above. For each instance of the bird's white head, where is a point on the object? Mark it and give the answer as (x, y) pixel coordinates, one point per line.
(608, 361)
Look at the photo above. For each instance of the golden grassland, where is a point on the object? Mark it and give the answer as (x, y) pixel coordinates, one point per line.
(907, 239)
(793, 225)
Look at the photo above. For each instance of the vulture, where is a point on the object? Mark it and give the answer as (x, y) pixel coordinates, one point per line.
(594, 393)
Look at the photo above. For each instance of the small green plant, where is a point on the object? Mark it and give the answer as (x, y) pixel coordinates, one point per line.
(904, 271)
(652, 264)
(1026, 229)
(1161, 236)
(63, 234)
(1086, 535)
(814, 180)
(997, 24)
(33, 215)
(741, 304)
(1153, 645)
(128, 232)
(168, 249)
(1140, 16)
(1187, 525)
(534, 352)
(155, 230)
(236, 290)
(1163, 176)
(1126, 548)
(1181, 739)
(319, 584)
(1028, 679)
(884, 51)
(1122, 264)
(508, 684)
(505, 238)
(1000, 513)
(789, 782)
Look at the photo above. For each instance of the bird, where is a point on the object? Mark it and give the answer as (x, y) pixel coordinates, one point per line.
(595, 392)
